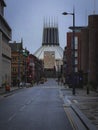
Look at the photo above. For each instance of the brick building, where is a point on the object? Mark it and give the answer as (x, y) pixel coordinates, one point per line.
(86, 53)
(69, 60)
(35, 69)
(89, 59)
(18, 62)
(77, 50)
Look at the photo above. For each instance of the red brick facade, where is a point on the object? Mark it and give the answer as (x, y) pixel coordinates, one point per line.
(77, 57)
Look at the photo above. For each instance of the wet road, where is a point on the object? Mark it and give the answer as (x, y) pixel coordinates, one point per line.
(35, 108)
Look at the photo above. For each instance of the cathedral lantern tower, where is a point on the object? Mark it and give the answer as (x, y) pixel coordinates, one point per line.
(50, 34)
(50, 52)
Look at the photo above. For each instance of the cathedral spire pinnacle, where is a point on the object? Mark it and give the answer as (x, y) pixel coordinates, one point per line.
(50, 32)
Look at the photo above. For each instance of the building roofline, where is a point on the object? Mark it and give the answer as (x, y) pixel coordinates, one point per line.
(5, 21)
(3, 2)
(77, 27)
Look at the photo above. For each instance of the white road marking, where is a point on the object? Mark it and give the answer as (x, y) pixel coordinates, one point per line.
(22, 108)
(75, 101)
(12, 117)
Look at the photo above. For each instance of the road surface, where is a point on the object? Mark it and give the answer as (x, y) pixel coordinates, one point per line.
(35, 108)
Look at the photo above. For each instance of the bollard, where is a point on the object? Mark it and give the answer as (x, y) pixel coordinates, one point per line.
(7, 87)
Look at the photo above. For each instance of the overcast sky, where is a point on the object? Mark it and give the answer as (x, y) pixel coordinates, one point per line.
(26, 18)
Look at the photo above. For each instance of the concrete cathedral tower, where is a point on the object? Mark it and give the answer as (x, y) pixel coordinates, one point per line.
(50, 34)
(50, 52)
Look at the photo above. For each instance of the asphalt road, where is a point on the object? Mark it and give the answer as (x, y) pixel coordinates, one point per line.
(35, 108)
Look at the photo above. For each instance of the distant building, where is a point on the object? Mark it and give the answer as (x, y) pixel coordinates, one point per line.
(5, 50)
(35, 69)
(25, 67)
(50, 52)
(17, 62)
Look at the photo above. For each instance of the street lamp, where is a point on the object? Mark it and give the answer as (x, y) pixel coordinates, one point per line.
(73, 48)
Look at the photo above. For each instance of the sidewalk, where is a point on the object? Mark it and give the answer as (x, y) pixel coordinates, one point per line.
(85, 106)
(4, 92)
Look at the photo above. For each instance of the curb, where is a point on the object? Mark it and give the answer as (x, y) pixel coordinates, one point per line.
(6, 94)
(87, 123)
(75, 115)
(76, 111)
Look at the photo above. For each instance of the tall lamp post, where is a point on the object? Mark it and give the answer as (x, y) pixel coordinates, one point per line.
(73, 50)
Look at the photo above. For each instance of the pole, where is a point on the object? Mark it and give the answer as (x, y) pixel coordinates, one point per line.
(73, 54)
(73, 50)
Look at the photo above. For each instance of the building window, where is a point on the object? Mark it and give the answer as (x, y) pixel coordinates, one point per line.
(14, 69)
(76, 69)
(13, 59)
(76, 53)
(76, 61)
(76, 43)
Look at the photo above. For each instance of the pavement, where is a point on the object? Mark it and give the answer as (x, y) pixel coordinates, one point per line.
(83, 105)
(12, 89)
(4, 93)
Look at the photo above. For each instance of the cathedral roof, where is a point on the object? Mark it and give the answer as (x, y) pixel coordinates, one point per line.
(54, 48)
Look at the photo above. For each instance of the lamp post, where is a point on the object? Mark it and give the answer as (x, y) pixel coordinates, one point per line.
(73, 50)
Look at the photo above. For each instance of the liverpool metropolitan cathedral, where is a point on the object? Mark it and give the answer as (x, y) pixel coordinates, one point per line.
(50, 52)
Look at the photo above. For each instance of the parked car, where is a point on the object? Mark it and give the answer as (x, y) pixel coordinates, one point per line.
(28, 84)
